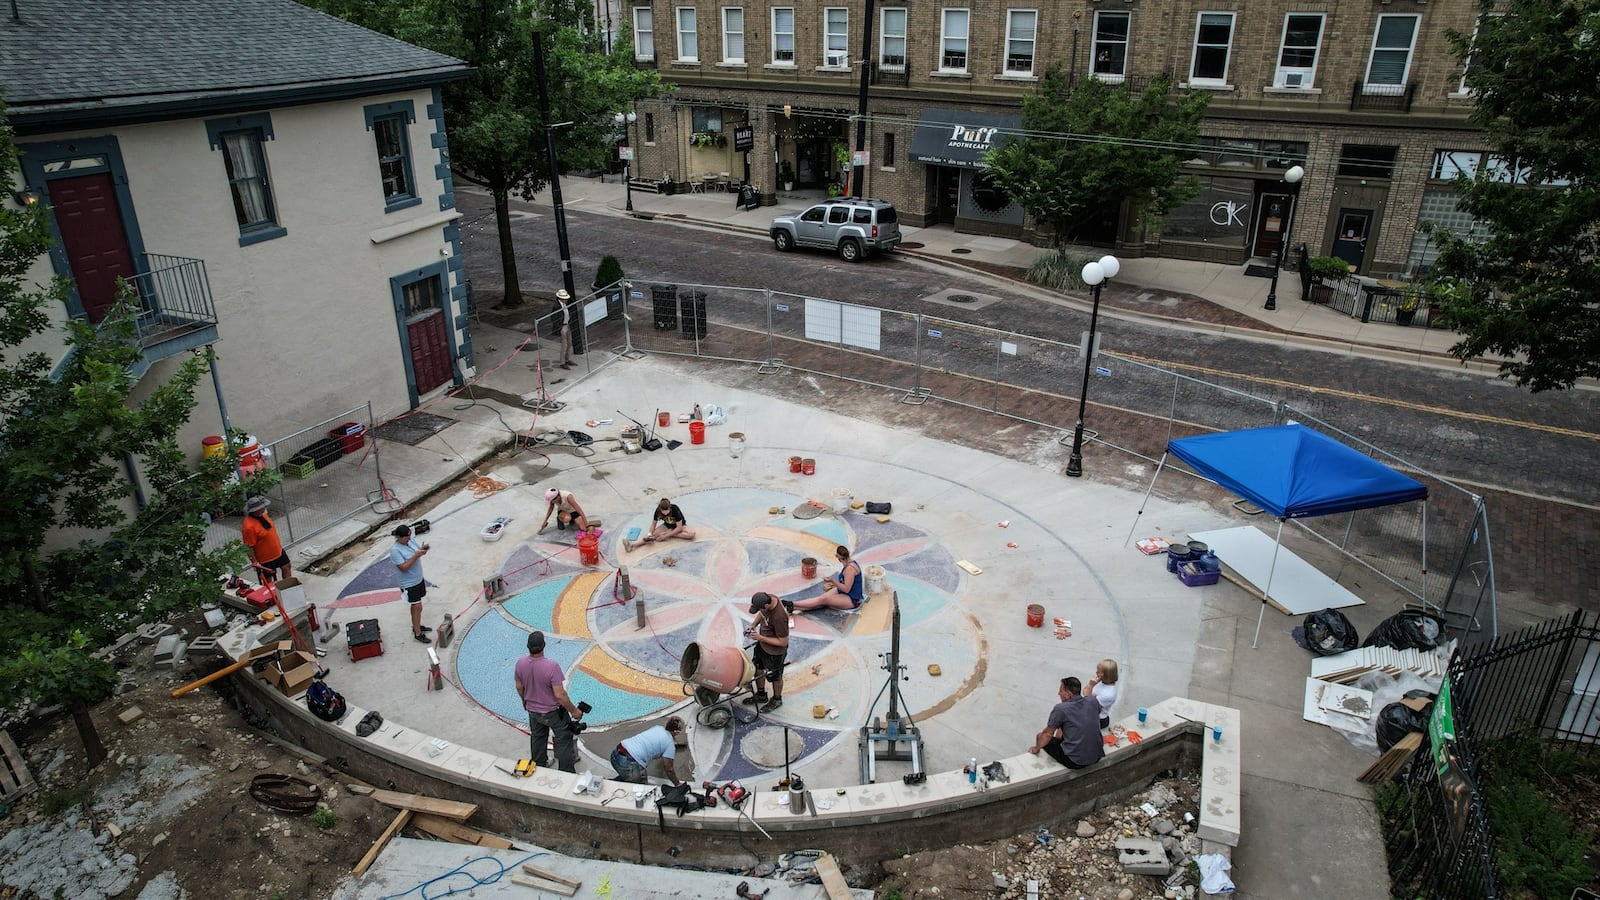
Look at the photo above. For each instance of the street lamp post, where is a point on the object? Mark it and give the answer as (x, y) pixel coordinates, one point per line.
(1293, 176)
(1094, 275)
(624, 120)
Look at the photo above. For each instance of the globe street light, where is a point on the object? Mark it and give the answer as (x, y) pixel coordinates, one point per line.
(1094, 275)
(623, 120)
(1292, 176)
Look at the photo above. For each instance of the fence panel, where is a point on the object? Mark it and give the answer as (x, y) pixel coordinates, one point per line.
(1048, 372)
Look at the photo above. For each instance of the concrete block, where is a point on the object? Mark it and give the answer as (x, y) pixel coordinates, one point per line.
(1142, 856)
(154, 631)
(130, 715)
(167, 647)
(1220, 776)
(205, 645)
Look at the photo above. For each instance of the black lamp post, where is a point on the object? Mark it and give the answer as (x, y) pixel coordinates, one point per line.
(1094, 275)
(624, 120)
(1293, 176)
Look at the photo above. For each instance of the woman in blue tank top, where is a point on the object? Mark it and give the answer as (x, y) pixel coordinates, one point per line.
(844, 592)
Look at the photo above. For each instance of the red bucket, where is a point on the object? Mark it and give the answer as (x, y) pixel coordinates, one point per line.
(794, 464)
(808, 466)
(663, 419)
(697, 432)
(808, 568)
(1035, 616)
(589, 548)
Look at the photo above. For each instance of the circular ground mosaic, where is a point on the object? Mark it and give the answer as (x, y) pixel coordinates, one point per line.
(699, 591)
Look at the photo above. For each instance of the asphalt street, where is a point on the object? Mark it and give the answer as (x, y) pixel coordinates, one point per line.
(1530, 453)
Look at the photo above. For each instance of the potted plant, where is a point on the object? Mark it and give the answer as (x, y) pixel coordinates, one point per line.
(786, 175)
(707, 140)
(667, 185)
(1327, 271)
(1405, 308)
(608, 277)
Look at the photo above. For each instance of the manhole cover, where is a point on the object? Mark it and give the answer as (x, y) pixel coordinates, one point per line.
(910, 245)
(962, 298)
(961, 250)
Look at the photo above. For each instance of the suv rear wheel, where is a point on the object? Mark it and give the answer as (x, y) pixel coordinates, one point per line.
(782, 241)
(850, 251)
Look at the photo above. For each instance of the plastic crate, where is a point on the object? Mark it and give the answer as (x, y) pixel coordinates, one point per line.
(300, 466)
(323, 452)
(1191, 575)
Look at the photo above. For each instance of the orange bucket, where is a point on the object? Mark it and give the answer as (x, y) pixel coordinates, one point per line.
(663, 419)
(589, 548)
(808, 466)
(808, 567)
(1035, 616)
(697, 432)
(794, 464)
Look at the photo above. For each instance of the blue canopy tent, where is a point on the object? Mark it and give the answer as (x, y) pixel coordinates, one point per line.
(1294, 472)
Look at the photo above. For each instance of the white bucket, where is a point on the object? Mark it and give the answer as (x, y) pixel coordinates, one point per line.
(841, 499)
(630, 446)
(877, 581)
(735, 444)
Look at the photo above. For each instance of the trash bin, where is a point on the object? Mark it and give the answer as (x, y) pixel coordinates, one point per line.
(664, 305)
(352, 436)
(694, 315)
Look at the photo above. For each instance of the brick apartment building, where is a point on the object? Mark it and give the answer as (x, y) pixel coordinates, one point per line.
(1364, 94)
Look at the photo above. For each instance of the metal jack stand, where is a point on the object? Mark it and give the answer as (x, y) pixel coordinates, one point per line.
(540, 401)
(897, 729)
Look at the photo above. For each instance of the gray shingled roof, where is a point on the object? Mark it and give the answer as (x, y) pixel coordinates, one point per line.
(70, 55)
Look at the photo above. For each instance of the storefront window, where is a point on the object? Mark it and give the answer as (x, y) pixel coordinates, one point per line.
(1220, 215)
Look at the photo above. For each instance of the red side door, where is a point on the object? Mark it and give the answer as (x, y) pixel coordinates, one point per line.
(430, 349)
(92, 235)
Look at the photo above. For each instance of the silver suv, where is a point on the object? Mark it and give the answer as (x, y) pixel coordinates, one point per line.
(852, 226)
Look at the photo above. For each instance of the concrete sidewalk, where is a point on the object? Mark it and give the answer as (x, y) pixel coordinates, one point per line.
(1225, 285)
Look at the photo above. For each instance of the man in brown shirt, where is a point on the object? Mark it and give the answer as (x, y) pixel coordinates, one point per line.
(771, 631)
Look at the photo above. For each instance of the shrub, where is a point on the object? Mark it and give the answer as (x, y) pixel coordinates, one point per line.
(609, 272)
(324, 818)
(1061, 271)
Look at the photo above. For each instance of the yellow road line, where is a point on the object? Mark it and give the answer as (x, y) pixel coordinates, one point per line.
(1352, 395)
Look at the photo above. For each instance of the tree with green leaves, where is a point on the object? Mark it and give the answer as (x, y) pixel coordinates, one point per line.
(492, 118)
(80, 561)
(1088, 145)
(1522, 283)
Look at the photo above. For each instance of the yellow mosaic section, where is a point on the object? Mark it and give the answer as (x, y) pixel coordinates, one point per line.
(875, 612)
(571, 615)
(820, 547)
(800, 676)
(604, 668)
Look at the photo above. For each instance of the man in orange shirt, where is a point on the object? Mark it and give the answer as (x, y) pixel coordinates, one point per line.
(261, 539)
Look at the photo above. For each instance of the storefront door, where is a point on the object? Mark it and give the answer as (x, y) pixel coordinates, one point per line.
(1272, 224)
(1350, 240)
(947, 194)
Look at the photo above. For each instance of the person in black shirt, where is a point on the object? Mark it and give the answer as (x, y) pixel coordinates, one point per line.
(668, 522)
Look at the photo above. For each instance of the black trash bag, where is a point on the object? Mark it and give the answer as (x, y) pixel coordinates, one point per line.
(1329, 633)
(1397, 720)
(1409, 629)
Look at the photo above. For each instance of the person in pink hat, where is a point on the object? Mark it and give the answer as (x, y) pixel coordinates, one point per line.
(565, 508)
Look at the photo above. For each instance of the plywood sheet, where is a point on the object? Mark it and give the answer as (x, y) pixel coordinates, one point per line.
(1297, 587)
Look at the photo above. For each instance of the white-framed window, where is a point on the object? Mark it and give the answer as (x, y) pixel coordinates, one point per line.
(1022, 29)
(836, 37)
(1213, 40)
(1297, 54)
(688, 36)
(1473, 62)
(1390, 62)
(1110, 47)
(644, 34)
(783, 35)
(733, 34)
(892, 43)
(953, 33)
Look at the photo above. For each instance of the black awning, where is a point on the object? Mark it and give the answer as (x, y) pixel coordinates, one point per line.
(954, 137)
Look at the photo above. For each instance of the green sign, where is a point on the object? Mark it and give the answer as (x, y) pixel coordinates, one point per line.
(1442, 726)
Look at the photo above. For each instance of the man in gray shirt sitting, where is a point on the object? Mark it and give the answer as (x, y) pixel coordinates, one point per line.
(1072, 734)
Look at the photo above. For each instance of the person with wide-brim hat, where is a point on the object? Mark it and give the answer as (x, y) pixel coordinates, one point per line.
(261, 539)
(564, 301)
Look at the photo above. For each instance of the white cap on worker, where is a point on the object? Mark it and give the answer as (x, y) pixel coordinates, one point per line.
(551, 495)
(563, 295)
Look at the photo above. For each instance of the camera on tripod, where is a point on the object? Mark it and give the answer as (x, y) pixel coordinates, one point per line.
(578, 727)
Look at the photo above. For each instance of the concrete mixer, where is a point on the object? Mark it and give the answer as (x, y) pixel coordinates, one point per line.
(716, 677)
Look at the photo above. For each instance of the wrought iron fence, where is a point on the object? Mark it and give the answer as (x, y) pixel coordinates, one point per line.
(1037, 381)
(1543, 682)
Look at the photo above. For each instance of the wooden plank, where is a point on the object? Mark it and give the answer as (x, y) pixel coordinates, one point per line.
(450, 809)
(832, 879)
(1390, 763)
(551, 876)
(382, 841)
(541, 884)
(457, 833)
(15, 779)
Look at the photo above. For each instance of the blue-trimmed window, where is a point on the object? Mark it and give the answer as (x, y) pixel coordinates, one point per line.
(241, 140)
(388, 123)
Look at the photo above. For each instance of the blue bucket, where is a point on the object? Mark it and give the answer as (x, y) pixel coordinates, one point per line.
(1177, 554)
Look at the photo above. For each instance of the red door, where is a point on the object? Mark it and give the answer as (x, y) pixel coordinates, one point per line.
(91, 233)
(430, 350)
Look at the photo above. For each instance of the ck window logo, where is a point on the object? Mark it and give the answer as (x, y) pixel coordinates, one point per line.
(1228, 212)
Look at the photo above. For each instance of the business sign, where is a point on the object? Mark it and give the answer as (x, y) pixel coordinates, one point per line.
(744, 138)
(946, 137)
(625, 153)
